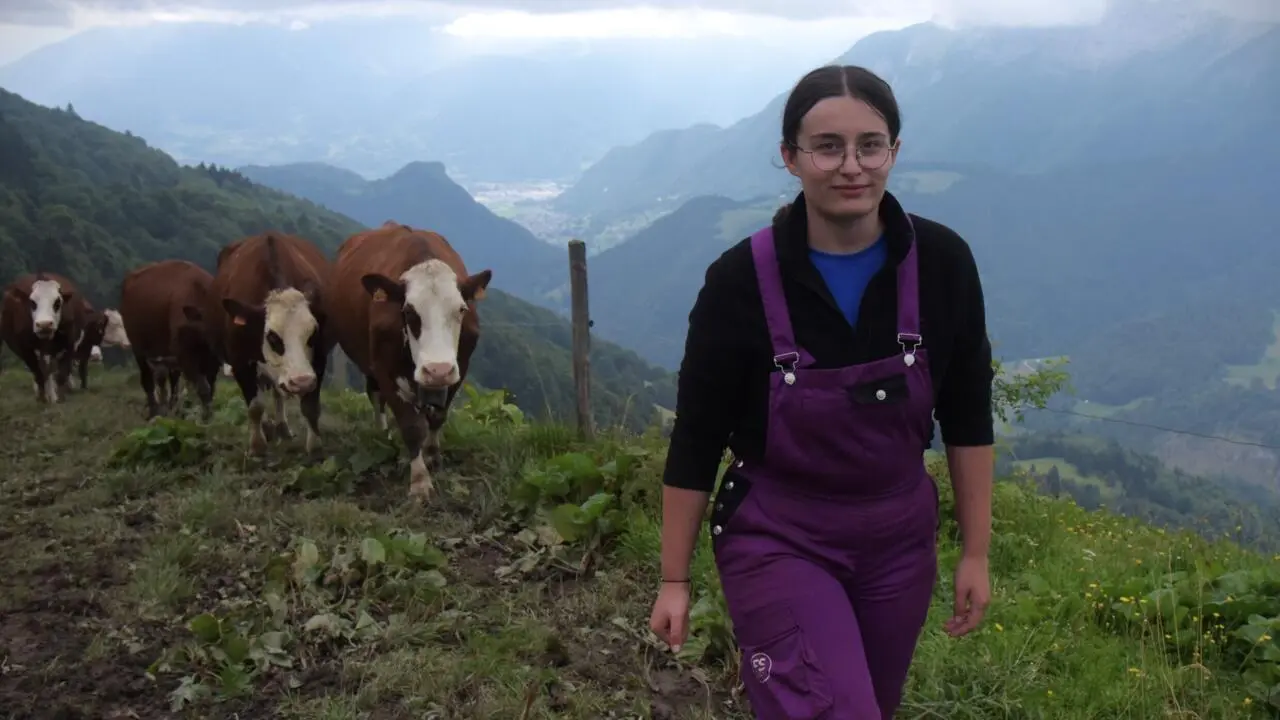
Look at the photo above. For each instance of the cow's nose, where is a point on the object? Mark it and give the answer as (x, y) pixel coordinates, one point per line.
(299, 384)
(44, 326)
(434, 374)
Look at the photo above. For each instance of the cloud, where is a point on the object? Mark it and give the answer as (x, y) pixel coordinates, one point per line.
(64, 12)
(647, 22)
(1004, 12)
(35, 12)
(61, 12)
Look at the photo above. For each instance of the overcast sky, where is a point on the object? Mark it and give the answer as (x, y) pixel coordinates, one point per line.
(28, 24)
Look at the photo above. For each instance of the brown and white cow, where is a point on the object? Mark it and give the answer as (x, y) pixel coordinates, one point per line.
(403, 308)
(100, 329)
(40, 320)
(162, 305)
(266, 319)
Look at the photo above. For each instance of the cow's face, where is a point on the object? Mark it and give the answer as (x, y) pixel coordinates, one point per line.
(47, 300)
(432, 304)
(113, 330)
(288, 327)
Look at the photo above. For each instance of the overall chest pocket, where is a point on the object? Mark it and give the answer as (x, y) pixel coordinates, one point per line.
(890, 390)
(862, 423)
(855, 399)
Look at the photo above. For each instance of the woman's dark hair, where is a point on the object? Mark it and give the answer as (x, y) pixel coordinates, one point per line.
(839, 81)
(831, 81)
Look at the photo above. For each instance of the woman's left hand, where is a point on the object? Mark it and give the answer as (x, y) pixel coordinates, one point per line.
(973, 594)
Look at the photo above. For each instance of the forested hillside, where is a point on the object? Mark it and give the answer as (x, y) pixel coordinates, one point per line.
(1097, 473)
(92, 203)
(78, 198)
(1222, 427)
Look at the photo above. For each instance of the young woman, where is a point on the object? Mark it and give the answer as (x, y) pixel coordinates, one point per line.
(820, 351)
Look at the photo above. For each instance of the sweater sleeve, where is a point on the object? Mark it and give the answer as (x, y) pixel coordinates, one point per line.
(964, 409)
(711, 383)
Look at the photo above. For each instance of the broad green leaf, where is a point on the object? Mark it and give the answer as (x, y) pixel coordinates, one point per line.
(372, 551)
(205, 627)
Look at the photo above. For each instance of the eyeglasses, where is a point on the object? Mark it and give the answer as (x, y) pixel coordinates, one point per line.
(827, 155)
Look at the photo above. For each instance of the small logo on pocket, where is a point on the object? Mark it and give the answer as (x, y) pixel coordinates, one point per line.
(761, 664)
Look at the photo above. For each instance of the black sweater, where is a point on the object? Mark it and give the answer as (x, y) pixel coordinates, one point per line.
(723, 382)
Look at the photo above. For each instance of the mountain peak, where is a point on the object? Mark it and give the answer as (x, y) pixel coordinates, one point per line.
(421, 171)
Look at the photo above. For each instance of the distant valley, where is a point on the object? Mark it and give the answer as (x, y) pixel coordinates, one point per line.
(530, 205)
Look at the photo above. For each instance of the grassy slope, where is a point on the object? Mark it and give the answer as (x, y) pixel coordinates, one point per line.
(104, 567)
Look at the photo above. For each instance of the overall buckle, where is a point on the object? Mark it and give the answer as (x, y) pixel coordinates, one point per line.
(909, 353)
(789, 368)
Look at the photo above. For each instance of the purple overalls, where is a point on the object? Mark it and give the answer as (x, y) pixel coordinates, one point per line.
(827, 547)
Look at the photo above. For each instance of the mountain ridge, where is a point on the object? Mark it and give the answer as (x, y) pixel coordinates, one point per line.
(1009, 102)
(421, 193)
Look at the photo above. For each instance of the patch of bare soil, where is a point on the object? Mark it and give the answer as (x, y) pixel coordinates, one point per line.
(48, 669)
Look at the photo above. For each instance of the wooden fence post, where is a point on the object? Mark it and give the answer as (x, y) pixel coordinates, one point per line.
(581, 336)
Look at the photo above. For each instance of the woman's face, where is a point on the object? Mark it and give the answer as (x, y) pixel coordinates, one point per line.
(832, 135)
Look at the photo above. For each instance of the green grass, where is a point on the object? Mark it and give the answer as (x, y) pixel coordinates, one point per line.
(1267, 369)
(154, 570)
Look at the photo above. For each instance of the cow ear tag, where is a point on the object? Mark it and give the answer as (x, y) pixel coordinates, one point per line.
(237, 320)
(379, 295)
(909, 359)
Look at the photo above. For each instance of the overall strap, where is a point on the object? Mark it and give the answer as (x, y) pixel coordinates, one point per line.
(909, 298)
(769, 278)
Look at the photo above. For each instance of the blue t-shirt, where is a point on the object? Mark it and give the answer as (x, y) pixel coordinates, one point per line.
(847, 275)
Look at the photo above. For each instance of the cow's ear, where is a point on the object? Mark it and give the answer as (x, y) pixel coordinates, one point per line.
(240, 313)
(192, 313)
(382, 288)
(473, 287)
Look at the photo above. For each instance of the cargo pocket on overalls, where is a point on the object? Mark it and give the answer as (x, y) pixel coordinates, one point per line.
(779, 668)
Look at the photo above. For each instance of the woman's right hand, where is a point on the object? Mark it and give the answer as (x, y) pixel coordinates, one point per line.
(670, 617)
